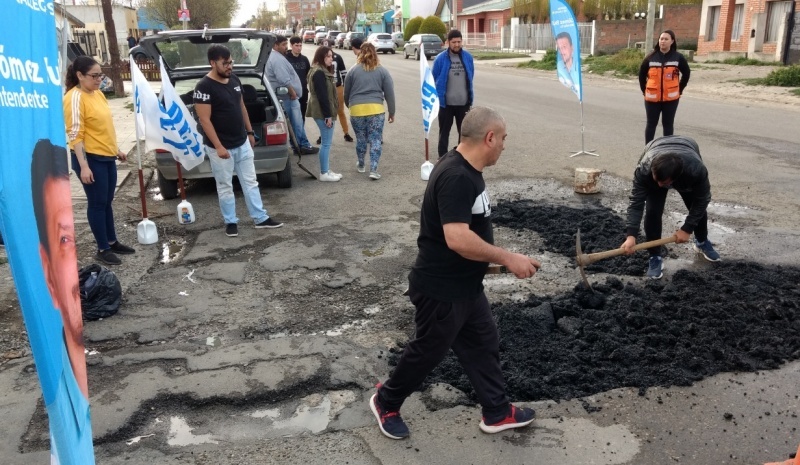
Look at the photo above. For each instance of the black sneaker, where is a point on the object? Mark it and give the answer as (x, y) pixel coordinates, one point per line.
(391, 424)
(309, 150)
(122, 249)
(269, 223)
(516, 418)
(231, 230)
(108, 257)
(347, 138)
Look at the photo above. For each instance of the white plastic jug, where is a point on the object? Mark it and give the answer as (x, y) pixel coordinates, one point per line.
(425, 170)
(185, 213)
(146, 232)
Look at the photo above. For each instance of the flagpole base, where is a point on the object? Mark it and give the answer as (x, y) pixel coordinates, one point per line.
(583, 152)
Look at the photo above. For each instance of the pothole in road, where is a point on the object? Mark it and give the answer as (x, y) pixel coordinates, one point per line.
(697, 322)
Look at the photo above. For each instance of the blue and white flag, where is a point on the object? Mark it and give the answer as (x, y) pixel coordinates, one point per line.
(168, 126)
(568, 46)
(430, 99)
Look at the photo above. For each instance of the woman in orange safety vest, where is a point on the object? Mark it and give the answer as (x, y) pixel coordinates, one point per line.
(663, 76)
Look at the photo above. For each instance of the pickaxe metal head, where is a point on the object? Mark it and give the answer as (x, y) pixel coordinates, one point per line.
(579, 257)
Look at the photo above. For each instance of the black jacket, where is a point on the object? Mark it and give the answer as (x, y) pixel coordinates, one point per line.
(693, 179)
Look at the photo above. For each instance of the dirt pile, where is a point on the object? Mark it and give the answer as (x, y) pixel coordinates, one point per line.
(734, 316)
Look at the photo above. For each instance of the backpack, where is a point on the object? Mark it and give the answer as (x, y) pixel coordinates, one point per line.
(101, 292)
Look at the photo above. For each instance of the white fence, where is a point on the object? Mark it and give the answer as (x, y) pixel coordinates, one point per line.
(528, 38)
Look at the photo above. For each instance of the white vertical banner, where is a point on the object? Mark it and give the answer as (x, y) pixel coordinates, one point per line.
(430, 99)
(568, 46)
(168, 126)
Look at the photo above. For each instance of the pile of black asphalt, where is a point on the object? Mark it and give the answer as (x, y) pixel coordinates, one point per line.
(731, 316)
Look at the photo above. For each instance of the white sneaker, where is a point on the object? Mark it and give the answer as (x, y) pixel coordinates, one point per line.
(328, 177)
(374, 175)
(361, 168)
(335, 174)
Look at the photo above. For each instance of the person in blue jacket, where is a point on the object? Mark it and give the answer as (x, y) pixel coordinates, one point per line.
(453, 73)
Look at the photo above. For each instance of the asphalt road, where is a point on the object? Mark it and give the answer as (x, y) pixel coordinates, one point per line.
(264, 348)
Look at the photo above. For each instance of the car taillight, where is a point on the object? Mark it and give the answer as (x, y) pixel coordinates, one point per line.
(162, 151)
(275, 133)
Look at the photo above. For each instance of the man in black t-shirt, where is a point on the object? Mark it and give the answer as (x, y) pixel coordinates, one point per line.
(339, 72)
(301, 66)
(446, 283)
(229, 139)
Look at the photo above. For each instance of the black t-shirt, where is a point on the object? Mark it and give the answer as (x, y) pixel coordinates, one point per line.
(301, 66)
(456, 193)
(339, 70)
(226, 110)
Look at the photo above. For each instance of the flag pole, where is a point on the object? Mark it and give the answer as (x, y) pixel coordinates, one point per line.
(583, 147)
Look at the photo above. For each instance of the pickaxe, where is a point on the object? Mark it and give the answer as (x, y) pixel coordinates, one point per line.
(587, 259)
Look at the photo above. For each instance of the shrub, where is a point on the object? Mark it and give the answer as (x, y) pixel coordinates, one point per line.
(412, 27)
(433, 25)
(547, 63)
(625, 62)
(788, 76)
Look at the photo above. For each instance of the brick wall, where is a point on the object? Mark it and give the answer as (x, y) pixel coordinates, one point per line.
(742, 45)
(615, 35)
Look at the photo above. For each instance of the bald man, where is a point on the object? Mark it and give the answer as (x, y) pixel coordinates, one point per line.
(446, 283)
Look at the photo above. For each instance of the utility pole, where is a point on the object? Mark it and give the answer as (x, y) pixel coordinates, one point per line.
(651, 20)
(113, 49)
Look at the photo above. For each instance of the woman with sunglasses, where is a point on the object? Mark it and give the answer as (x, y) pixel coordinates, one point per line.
(94, 149)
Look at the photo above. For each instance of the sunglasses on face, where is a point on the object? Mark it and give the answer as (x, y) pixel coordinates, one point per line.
(96, 75)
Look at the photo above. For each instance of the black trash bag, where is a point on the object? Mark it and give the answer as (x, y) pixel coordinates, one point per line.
(101, 292)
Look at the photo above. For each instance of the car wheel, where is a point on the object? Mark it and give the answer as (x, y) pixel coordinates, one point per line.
(416, 55)
(168, 187)
(139, 57)
(393, 52)
(405, 55)
(285, 175)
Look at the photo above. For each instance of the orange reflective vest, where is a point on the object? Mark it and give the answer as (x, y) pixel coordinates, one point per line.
(663, 82)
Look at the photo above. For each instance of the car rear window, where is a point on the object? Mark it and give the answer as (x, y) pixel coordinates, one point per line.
(383, 36)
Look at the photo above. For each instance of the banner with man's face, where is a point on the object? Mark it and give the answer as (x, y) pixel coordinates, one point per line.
(35, 196)
(568, 46)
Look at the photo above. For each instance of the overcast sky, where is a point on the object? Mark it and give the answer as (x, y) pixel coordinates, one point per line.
(247, 8)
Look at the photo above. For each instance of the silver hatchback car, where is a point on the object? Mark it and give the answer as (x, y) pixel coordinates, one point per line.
(382, 41)
(186, 61)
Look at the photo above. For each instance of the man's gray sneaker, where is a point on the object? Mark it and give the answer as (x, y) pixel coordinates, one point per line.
(707, 249)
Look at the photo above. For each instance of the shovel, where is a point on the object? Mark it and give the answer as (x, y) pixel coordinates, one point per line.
(146, 231)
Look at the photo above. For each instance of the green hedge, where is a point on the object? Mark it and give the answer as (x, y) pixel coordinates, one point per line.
(412, 27)
(433, 25)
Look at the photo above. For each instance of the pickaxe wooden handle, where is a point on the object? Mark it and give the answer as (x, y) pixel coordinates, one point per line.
(587, 259)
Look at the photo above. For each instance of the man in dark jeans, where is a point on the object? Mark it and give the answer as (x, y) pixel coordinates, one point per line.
(446, 283)
(301, 66)
(453, 72)
(670, 162)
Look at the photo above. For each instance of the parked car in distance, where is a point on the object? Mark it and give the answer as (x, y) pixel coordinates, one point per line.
(186, 62)
(319, 37)
(382, 41)
(349, 37)
(432, 46)
(308, 36)
(339, 41)
(331, 37)
(397, 38)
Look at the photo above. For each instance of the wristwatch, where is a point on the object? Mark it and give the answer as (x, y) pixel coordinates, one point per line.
(251, 133)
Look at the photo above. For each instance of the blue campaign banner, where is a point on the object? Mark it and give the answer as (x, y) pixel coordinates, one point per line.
(568, 46)
(37, 222)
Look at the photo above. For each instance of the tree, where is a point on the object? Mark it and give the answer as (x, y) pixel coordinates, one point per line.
(265, 19)
(215, 13)
(113, 49)
(433, 25)
(412, 27)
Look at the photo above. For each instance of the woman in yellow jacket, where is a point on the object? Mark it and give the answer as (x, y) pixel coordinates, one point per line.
(93, 145)
(663, 76)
